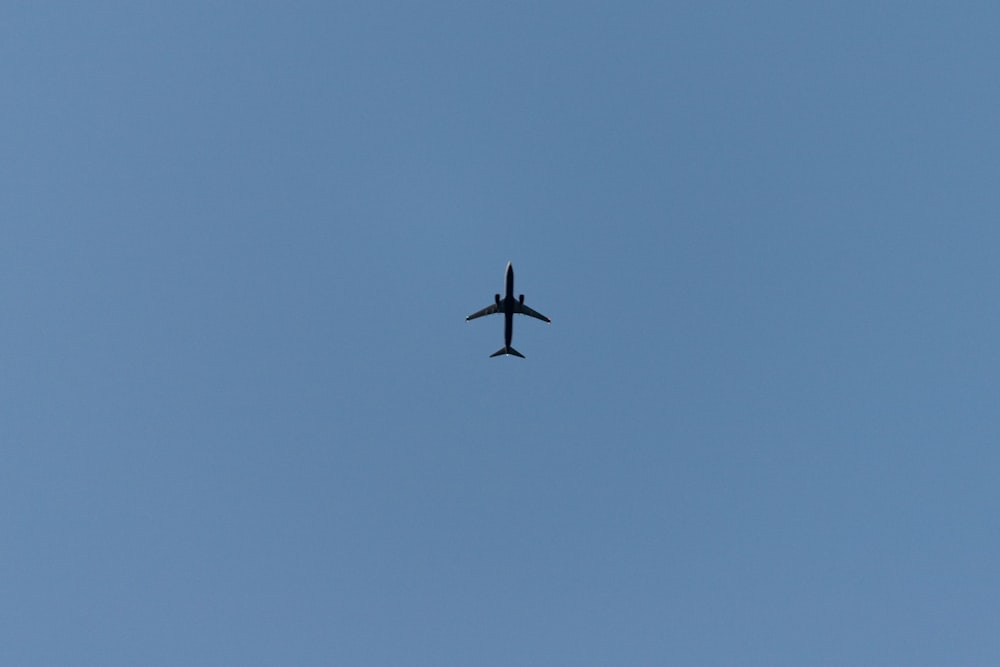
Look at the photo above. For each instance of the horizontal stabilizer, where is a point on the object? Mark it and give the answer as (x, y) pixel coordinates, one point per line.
(507, 350)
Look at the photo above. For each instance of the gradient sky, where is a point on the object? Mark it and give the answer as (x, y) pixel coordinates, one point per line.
(243, 420)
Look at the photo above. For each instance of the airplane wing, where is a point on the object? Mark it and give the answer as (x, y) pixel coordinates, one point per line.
(524, 310)
(488, 310)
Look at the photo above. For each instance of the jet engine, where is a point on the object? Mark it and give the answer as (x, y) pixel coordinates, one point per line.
(496, 299)
(521, 299)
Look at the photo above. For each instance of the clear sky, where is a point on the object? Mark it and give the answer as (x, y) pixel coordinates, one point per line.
(243, 420)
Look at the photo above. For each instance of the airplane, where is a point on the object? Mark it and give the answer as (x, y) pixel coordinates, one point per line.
(508, 305)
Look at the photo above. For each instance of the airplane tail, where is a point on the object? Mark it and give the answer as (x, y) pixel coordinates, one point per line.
(506, 349)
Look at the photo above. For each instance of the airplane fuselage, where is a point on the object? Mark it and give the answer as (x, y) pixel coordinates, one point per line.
(508, 305)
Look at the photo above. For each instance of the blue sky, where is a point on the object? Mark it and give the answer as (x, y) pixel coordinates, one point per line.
(244, 421)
